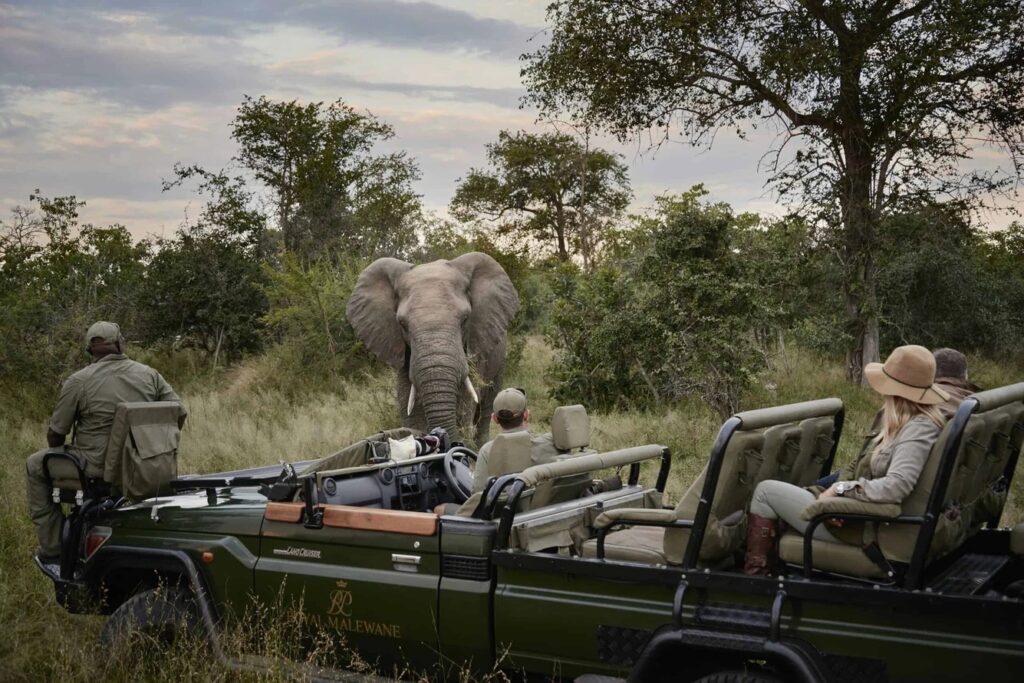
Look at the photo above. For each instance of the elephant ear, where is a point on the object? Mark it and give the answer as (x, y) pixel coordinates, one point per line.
(372, 307)
(494, 301)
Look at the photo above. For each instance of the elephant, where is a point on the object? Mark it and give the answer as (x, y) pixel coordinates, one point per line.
(431, 323)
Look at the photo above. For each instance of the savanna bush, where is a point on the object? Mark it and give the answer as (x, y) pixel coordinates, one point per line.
(675, 318)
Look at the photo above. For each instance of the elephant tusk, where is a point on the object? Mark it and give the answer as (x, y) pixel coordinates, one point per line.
(412, 399)
(472, 391)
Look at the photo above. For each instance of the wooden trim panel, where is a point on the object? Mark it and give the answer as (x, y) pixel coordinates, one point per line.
(372, 519)
(284, 512)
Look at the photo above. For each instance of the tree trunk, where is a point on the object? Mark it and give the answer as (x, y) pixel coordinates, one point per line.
(563, 252)
(859, 229)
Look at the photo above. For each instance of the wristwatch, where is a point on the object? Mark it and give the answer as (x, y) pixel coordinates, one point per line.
(842, 487)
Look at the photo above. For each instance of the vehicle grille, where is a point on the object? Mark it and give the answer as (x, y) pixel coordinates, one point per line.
(465, 567)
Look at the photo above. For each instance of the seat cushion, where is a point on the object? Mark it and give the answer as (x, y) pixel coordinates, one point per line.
(841, 558)
(637, 544)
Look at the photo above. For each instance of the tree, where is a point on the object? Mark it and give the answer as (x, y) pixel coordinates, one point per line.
(329, 188)
(56, 278)
(204, 287)
(882, 97)
(677, 319)
(546, 187)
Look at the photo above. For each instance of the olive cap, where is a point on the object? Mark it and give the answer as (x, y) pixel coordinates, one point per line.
(510, 402)
(106, 331)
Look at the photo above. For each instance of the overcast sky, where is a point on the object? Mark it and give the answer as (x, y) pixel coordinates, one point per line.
(101, 98)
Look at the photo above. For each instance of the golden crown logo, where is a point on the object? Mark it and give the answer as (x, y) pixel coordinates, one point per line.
(342, 583)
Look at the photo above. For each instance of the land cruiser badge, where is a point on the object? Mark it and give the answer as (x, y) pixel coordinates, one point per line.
(292, 551)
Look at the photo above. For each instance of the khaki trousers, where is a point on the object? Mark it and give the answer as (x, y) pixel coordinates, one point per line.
(47, 515)
(779, 500)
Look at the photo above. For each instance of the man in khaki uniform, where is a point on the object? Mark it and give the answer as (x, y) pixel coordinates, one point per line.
(511, 415)
(86, 404)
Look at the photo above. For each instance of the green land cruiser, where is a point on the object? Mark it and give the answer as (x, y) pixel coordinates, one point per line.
(548, 577)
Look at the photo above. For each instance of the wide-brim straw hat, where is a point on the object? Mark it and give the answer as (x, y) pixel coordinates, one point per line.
(909, 372)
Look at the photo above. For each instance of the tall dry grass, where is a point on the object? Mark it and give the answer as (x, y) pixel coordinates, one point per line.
(244, 419)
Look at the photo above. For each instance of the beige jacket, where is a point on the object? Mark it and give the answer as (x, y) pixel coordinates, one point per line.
(894, 470)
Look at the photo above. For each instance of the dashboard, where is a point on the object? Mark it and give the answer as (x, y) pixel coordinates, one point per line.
(416, 486)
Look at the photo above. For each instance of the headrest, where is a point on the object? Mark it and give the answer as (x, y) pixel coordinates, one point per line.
(510, 452)
(570, 427)
(994, 398)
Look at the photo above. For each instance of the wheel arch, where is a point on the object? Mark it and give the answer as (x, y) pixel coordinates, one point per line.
(669, 648)
(135, 567)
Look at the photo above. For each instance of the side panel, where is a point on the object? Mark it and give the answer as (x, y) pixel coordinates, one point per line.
(910, 636)
(376, 589)
(465, 597)
(548, 621)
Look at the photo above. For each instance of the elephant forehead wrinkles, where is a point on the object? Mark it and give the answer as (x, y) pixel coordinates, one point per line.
(438, 273)
(432, 305)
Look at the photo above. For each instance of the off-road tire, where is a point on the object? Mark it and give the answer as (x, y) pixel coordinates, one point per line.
(156, 616)
(737, 677)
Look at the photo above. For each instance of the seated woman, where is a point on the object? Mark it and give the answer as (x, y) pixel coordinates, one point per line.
(911, 422)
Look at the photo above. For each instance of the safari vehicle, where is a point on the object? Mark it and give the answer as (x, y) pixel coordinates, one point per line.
(547, 580)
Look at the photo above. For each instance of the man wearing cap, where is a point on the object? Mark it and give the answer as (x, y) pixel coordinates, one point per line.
(511, 415)
(86, 404)
(951, 376)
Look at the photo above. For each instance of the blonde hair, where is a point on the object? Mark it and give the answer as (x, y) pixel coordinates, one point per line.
(896, 413)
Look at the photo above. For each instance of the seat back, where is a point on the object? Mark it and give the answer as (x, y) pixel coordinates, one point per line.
(794, 443)
(570, 434)
(797, 452)
(510, 453)
(570, 428)
(142, 452)
(987, 435)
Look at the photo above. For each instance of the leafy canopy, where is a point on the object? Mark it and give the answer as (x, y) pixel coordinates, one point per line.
(546, 187)
(876, 101)
(331, 189)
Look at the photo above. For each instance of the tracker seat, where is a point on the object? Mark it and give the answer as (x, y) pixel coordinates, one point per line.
(962, 488)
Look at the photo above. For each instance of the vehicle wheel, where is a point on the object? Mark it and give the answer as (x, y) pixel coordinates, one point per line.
(157, 616)
(737, 677)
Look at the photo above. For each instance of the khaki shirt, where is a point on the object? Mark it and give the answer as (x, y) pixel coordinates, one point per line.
(542, 450)
(89, 398)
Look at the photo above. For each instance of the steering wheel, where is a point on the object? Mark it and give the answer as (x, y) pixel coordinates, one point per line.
(457, 472)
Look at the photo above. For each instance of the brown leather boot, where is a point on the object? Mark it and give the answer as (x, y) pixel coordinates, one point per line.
(761, 551)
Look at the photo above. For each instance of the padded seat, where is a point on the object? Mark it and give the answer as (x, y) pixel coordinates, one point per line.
(841, 558)
(510, 452)
(990, 441)
(570, 428)
(570, 434)
(795, 441)
(638, 544)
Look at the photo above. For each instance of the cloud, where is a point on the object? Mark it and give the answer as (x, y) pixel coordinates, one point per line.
(385, 22)
(118, 63)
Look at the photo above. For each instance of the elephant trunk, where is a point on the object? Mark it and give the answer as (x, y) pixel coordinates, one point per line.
(439, 398)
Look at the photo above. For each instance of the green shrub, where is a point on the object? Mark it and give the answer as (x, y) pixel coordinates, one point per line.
(677, 319)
